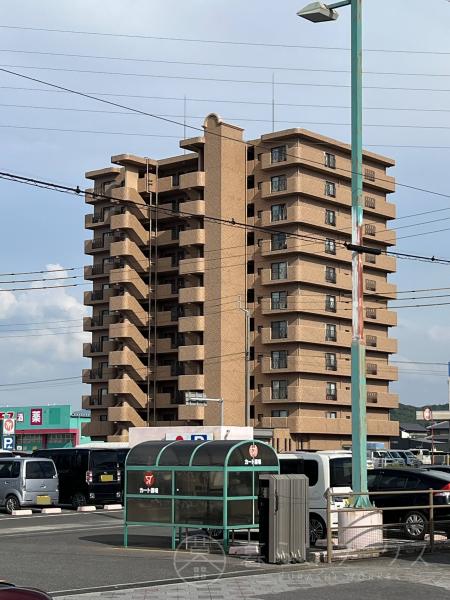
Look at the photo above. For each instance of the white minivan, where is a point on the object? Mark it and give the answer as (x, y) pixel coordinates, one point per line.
(325, 470)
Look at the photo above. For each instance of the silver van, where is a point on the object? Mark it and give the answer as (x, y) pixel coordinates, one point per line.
(27, 482)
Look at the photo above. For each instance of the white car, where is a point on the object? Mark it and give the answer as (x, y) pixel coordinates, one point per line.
(325, 470)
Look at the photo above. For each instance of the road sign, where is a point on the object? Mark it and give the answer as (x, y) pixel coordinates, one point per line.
(8, 442)
(427, 414)
(9, 426)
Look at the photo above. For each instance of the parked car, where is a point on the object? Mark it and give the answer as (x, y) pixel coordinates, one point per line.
(413, 522)
(86, 475)
(409, 458)
(27, 482)
(398, 458)
(422, 454)
(325, 470)
(382, 458)
(442, 468)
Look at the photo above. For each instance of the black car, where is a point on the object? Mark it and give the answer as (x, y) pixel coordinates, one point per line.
(412, 521)
(443, 468)
(86, 475)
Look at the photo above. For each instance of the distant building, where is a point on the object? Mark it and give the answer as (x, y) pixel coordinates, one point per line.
(413, 430)
(39, 426)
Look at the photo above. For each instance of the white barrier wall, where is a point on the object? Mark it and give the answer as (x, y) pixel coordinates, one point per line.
(144, 434)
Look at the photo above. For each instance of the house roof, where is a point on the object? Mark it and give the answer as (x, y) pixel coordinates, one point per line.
(414, 427)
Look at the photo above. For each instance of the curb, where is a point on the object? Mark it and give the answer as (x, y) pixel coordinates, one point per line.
(113, 507)
(21, 512)
(51, 511)
(86, 508)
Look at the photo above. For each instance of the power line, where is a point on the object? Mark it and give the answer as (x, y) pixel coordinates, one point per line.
(46, 287)
(216, 41)
(43, 279)
(38, 272)
(39, 323)
(208, 64)
(221, 80)
(227, 101)
(138, 111)
(38, 381)
(245, 119)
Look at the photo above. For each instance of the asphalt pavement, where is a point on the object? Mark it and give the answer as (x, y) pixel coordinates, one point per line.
(82, 554)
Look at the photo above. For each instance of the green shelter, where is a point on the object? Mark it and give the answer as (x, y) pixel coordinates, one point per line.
(196, 484)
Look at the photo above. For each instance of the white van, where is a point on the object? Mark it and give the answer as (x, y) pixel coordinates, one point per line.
(325, 470)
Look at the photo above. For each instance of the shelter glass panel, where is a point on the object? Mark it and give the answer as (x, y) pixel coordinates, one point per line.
(149, 483)
(199, 512)
(199, 483)
(145, 454)
(240, 512)
(149, 510)
(240, 483)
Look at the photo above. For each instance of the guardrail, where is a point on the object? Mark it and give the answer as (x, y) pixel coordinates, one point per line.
(393, 520)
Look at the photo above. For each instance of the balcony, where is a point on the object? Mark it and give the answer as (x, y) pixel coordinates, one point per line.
(316, 425)
(193, 207)
(380, 343)
(129, 250)
(189, 295)
(98, 348)
(129, 332)
(194, 323)
(185, 181)
(129, 278)
(135, 230)
(194, 352)
(125, 414)
(98, 428)
(193, 412)
(191, 382)
(165, 345)
(166, 372)
(125, 386)
(99, 296)
(168, 237)
(167, 317)
(97, 375)
(166, 291)
(167, 264)
(127, 305)
(192, 265)
(127, 359)
(192, 237)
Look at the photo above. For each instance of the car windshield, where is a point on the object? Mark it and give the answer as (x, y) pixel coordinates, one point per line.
(341, 472)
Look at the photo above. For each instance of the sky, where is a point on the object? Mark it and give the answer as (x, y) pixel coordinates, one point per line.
(406, 100)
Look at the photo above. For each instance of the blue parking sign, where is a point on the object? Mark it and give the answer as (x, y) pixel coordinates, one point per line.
(8, 442)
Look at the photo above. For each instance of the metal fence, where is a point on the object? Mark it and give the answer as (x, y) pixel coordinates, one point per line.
(391, 526)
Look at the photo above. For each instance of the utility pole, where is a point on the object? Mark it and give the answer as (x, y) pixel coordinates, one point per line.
(247, 361)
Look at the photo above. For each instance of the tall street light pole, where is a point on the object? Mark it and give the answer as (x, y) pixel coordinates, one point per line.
(318, 12)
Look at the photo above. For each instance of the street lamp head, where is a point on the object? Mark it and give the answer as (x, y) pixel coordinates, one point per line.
(318, 12)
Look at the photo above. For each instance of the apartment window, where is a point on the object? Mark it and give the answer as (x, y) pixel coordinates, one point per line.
(250, 238)
(250, 210)
(371, 340)
(279, 413)
(371, 259)
(369, 174)
(278, 330)
(278, 183)
(372, 397)
(330, 189)
(371, 369)
(278, 154)
(330, 160)
(330, 303)
(330, 361)
(252, 323)
(331, 415)
(278, 300)
(250, 295)
(176, 180)
(371, 285)
(279, 389)
(330, 246)
(250, 182)
(370, 229)
(330, 217)
(369, 202)
(331, 390)
(330, 332)
(279, 270)
(278, 359)
(258, 156)
(371, 313)
(278, 212)
(259, 214)
(279, 241)
(250, 267)
(330, 274)
(259, 185)
(103, 417)
(250, 152)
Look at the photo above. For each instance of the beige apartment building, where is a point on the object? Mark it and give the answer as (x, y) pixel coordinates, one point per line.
(178, 281)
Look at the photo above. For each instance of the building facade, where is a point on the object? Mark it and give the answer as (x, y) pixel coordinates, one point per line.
(223, 272)
(41, 426)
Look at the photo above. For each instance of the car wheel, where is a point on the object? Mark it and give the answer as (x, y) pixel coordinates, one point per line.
(78, 499)
(317, 529)
(415, 525)
(12, 503)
